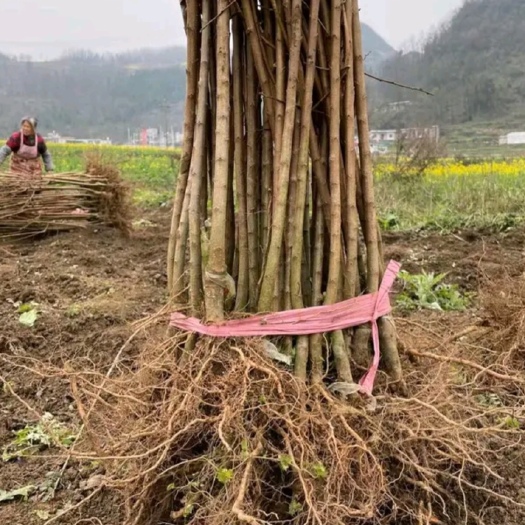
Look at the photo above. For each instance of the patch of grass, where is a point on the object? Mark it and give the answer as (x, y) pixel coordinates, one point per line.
(318, 471)
(150, 197)
(224, 475)
(491, 201)
(149, 166)
(73, 310)
(295, 508)
(152, 171)
(389, 222)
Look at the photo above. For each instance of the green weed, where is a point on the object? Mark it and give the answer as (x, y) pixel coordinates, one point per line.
(44, 434)
(427, 291)
(224, 475)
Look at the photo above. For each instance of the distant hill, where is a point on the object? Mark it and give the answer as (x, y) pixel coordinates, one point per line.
(376, 48)
(88, 95)
(474, 64)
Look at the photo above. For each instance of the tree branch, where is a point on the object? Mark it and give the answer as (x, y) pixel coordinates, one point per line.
(392, 83)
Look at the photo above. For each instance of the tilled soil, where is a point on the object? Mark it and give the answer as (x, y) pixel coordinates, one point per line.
(88, 288)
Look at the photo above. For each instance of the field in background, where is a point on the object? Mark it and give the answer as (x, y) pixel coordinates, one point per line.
(448, 195)
(152, 171)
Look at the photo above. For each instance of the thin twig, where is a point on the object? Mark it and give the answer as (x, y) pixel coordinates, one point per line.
(218, 15)
(464, 362)
(397, 84)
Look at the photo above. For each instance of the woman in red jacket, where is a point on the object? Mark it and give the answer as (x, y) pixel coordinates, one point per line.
(26, 147)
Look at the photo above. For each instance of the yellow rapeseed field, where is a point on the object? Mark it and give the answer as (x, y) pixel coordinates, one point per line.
(452, 168)
(139, 163)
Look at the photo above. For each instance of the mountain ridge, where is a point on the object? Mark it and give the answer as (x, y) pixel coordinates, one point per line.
(91, 95)
(474, 65)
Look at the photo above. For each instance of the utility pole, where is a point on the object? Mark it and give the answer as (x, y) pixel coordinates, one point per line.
(166, 106)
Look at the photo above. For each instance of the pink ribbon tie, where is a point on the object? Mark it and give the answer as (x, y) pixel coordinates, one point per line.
(307, 321)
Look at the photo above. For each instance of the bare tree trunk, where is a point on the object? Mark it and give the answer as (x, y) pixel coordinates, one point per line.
(302, 177)
(279, 219)
(198, 172)
(192, 75)
(365, 157)
(179, 274)
(316, 341)
(240, 163)
(389, 347)
(259, 60)
(334, 269)
(216, 269)
(251, 178)
(297, 221)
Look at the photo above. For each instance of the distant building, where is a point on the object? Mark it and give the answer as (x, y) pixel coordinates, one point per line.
(395, 107)
(56, 138)
(432, 133)
(392, 135)
(154, 137)
(516, 137)
(383, 135)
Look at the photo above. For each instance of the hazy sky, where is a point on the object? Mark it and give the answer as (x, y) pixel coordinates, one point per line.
(398, 21)
(46, 29)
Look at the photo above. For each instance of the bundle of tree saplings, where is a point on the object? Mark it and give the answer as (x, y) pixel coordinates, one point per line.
(62, 202)
(274, 211)
(275, 100)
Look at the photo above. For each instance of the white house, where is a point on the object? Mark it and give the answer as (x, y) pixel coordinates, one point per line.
(516, 137)
(391, 135)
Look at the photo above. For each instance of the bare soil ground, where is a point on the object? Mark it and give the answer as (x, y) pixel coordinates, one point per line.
(90, 286)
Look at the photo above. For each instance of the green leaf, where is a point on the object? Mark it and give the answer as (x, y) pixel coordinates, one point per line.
(224, 475)
(45, 433)
(170, 487)
(29, 318)
(245, 447)
(285, 462)
(22, 493)
(318, 471)
(26, 307)
(294, 508)
(511, 423)
(188, 510)
(426, 290)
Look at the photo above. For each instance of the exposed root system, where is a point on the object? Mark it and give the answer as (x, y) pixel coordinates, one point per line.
(223, 435)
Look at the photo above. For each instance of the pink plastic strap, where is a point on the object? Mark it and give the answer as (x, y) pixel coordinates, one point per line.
(367, 381)
(307, 321)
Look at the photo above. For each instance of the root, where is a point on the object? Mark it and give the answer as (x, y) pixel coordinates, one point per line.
(236, 509)
(222, 435)
(466, 362)
(226, 436)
